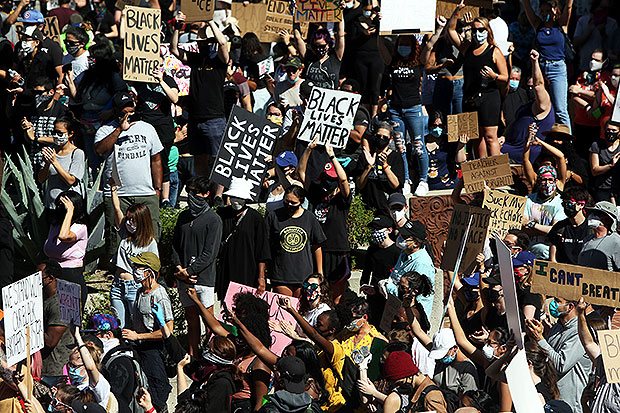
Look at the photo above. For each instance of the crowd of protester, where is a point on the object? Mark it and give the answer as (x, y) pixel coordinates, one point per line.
(542, 76)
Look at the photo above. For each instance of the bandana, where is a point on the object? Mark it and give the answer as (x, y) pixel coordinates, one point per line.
(547, 170)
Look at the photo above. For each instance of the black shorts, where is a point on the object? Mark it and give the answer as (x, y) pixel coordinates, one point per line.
(488, 105)
(336, 266)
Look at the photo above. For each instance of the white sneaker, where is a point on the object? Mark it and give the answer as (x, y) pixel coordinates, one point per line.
(406, 188)
(422, 189)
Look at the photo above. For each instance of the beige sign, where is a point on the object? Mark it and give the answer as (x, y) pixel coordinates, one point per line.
(506, 211)
(493, 171)
(463, 123)
(198, 10)
(278, 17)
(141, 44)
(573, 281)
(50, 29)
(121, 4)
(446, 8)
(609, 341)
(456, 231)
(317, 11)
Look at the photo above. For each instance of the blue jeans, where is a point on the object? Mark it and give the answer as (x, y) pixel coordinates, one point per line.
(555, 72)
(174, 188)
(122, 298)
(448, 96)
(411, 120)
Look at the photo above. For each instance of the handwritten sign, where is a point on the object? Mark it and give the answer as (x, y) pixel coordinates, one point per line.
(506, 211)
(141, 44)
(198, 10)
(609, 341)
(329, 115)
(278, 17)
(463, 123)
(265, 66)
(248, 139)
(23, 307)
(493, 171)
(69, 302)
(175, 68)
(279, 340)
(317, 11)
(392, 306)
(573, 281)
(50, 29)
(446, 8)
(401, 17)
(456, 230)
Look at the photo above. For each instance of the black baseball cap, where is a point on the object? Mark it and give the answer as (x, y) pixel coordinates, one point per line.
(381, 221)
(293, 372)
(494, 278)
(122, 99)
(397, 199)
(414, 229)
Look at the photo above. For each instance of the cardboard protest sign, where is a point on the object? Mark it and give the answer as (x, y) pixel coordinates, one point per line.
(463, 123)
(392, 306)
(524, 394)
(401, 17)
(510, 290)
(317, 11)
(573, 281)
(141, 44)
(609, 341)
(493, 171)
(121, 4)
(329, 115)
(23, 307)
(456, 230)
(279, 340)
(175, 68)
(446, 8)
(251, 18)
(50, 29)
(69, 302)
(198, 10)
(248, 139)
(506, 211)
(278, 17)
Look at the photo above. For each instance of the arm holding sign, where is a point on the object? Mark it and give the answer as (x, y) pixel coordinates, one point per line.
(87, 359)
(174, 42)
(221, 40)
(339, 41)
(310, 331)
(588, 343)
(303, 163)
(343, 182)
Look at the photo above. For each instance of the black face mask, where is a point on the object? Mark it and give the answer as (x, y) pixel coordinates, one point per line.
(492, 295)
(291, 209)
(611, 136)
(570, 209)
(378, 144)
(470, 294)
(328, 185)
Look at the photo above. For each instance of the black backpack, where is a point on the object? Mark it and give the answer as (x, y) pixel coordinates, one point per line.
(121, 367)
(451, 398)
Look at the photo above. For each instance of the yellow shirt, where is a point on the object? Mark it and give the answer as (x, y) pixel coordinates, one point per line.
(335, 400)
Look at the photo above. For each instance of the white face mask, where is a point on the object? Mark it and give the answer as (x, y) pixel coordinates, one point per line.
(131, 226)
(141, 274)
(615, 80)
(27, 47)
(349, 5)
(488, 351)
(61, 139)
(595, 65)
(481, 37)
(398, 215)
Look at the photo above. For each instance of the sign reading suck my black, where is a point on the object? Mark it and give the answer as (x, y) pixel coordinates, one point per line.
(248, 140)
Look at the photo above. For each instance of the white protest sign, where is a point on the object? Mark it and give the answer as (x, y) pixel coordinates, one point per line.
(266, 66)
(69, 302)
(524, 394)
(405, 17)
(329, 116)
(615, 114)
(23, 307)
(510, 290)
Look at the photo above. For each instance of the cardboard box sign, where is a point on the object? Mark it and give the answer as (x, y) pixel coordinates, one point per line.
(463, 123)
(329, 115)
(141, 45)
(198, 10)
(248, 139)
(50, 29)
(318, 11)
(573, 281)
(609, 341)
(506, 211)
(493, 171)
(456, 231)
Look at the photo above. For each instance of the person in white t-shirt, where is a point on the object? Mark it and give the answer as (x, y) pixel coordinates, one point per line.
(77, 56)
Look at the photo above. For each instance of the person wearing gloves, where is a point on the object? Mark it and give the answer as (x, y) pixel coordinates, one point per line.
(195, 245)
(244, 249)
(602, 248)
(414, 257)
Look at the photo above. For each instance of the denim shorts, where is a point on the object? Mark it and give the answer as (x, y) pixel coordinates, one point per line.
(205, 137)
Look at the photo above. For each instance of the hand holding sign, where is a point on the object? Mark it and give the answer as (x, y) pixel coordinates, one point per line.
(285, 303)
(535, 329)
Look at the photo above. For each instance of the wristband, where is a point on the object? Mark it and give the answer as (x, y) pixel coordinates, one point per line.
(81, 345)
(157, 188)
(332, 157)
(151, 410)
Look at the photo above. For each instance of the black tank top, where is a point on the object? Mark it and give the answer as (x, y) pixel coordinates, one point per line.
(474, 83)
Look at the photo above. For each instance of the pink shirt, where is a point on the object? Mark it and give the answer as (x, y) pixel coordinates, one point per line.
(68, 254)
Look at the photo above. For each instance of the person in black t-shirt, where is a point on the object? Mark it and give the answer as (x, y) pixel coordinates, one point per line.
(381, 170)
(330, 200)
(38, 56)
(322, 66)
(568, 236)
(530, 304)
(207, 120)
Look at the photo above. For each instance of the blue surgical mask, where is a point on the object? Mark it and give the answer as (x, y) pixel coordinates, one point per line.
(554, 311)
(75, 375)
(437, 132)
(514, 84)
(448, 359)
(404, 51)
(367, 13)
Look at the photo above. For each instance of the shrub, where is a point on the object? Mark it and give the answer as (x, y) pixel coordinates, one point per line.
(357, 223)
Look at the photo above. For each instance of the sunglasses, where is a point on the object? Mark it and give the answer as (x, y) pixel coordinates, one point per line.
(308, 286)
(382, 136)
(72, 43)
(478, 29)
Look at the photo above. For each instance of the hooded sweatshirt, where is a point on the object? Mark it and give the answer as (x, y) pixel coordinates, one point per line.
(283, 401)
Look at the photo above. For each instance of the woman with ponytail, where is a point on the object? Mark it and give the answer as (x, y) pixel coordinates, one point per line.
(542, 371)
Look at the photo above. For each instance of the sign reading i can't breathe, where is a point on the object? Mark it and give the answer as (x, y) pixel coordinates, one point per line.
(141, 45)
(23, 307)
(329, 116)
(248, 139)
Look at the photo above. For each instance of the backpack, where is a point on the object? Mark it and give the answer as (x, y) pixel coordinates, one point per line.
(121, 367)
(347, 381)
(451, 398)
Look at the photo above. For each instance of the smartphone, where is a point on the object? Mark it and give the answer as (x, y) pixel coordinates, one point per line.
(67, 68)
(134, 117)
(225, 310)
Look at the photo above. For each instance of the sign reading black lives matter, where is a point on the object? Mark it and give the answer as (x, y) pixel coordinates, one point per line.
(22, 303)
(247, 141)
(329, 115)
(141, 45)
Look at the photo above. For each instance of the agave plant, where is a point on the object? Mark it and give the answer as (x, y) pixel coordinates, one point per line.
(21, 199)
